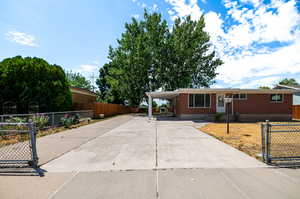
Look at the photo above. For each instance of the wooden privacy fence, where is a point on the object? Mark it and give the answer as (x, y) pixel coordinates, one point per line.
(296, 112)
(105, 108)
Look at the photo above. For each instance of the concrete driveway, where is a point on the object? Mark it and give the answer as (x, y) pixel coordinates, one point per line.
(155, 159)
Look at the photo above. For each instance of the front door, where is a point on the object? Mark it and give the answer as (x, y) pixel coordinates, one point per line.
(220, 103)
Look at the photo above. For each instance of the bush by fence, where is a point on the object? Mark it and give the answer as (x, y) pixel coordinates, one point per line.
(47, 120)
(105, 108)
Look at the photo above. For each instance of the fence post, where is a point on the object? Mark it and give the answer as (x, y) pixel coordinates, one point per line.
(263, 142)
(52, 125)
(32, 133)
(268, 131)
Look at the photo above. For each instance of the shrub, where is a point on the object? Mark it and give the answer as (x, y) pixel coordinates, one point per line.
(41, 120)
(16, 120)
(26, 80)
(218, 117)
(69, 120)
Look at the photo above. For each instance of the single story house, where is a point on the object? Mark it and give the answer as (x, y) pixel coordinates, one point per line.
(296, 95)
(80, 95)
(296, 99)
(249, 104)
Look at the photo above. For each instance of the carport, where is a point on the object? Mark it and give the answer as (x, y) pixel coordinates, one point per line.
(167, 95)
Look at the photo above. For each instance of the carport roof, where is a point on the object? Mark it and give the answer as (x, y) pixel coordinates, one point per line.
(163, 94)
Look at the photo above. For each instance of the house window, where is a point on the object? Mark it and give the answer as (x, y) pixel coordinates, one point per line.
(240, 96)
(199, 100)
(276, 97)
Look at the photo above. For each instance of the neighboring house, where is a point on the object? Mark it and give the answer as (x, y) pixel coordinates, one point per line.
(249, 104)
(296, 99)
(296, 95)
(80, 95)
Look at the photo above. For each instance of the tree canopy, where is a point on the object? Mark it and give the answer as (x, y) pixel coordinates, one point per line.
(291, 82)
(285, 81)
(264, 87)
(151, 56)
(25, 81)
(78, 80)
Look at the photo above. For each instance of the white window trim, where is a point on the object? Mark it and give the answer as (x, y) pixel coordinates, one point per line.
(191, 107)
(277, 101)
(240, 96)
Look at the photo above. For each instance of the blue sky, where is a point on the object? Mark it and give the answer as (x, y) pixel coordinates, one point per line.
(258, 40)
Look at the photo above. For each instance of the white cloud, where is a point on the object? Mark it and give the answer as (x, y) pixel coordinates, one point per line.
(154, 7)
(183, 8)
(266, 81)
(21, 38)
(87, 68)
(283, 61)
(247, 47)
(245, 60)
(135, 16)
(96, 62)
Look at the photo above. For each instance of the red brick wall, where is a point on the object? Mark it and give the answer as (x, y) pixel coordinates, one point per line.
(254, 104)
(261, 104)
(182, 105)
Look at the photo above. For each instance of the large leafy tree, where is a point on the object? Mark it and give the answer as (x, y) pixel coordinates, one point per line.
(32, 80)
(290, 81)
(106, 92)
(150, 56)
(191, 64)
(78, 80)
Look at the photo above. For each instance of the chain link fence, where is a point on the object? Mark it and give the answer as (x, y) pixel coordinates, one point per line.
(281, 143)
(18, 145)
(45, 120)
(18, 135)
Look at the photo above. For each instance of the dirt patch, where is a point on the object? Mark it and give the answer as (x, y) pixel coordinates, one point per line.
(245, 137)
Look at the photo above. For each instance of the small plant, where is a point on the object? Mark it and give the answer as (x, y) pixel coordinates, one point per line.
(69, 120)
(16, 120)
(41, 120)
(218, 117)
(76, 118)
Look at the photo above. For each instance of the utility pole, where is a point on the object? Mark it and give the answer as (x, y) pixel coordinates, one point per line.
(92, 78)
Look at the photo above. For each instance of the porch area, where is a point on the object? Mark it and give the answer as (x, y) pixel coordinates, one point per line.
(168, 95)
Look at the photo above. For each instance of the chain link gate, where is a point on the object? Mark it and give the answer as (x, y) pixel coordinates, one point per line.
(18, 145)
(281, 143)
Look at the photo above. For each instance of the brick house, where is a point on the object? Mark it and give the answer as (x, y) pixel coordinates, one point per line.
(249, 104)
(80, 95)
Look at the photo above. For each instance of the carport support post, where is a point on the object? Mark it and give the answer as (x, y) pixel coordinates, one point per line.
(149, 106)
